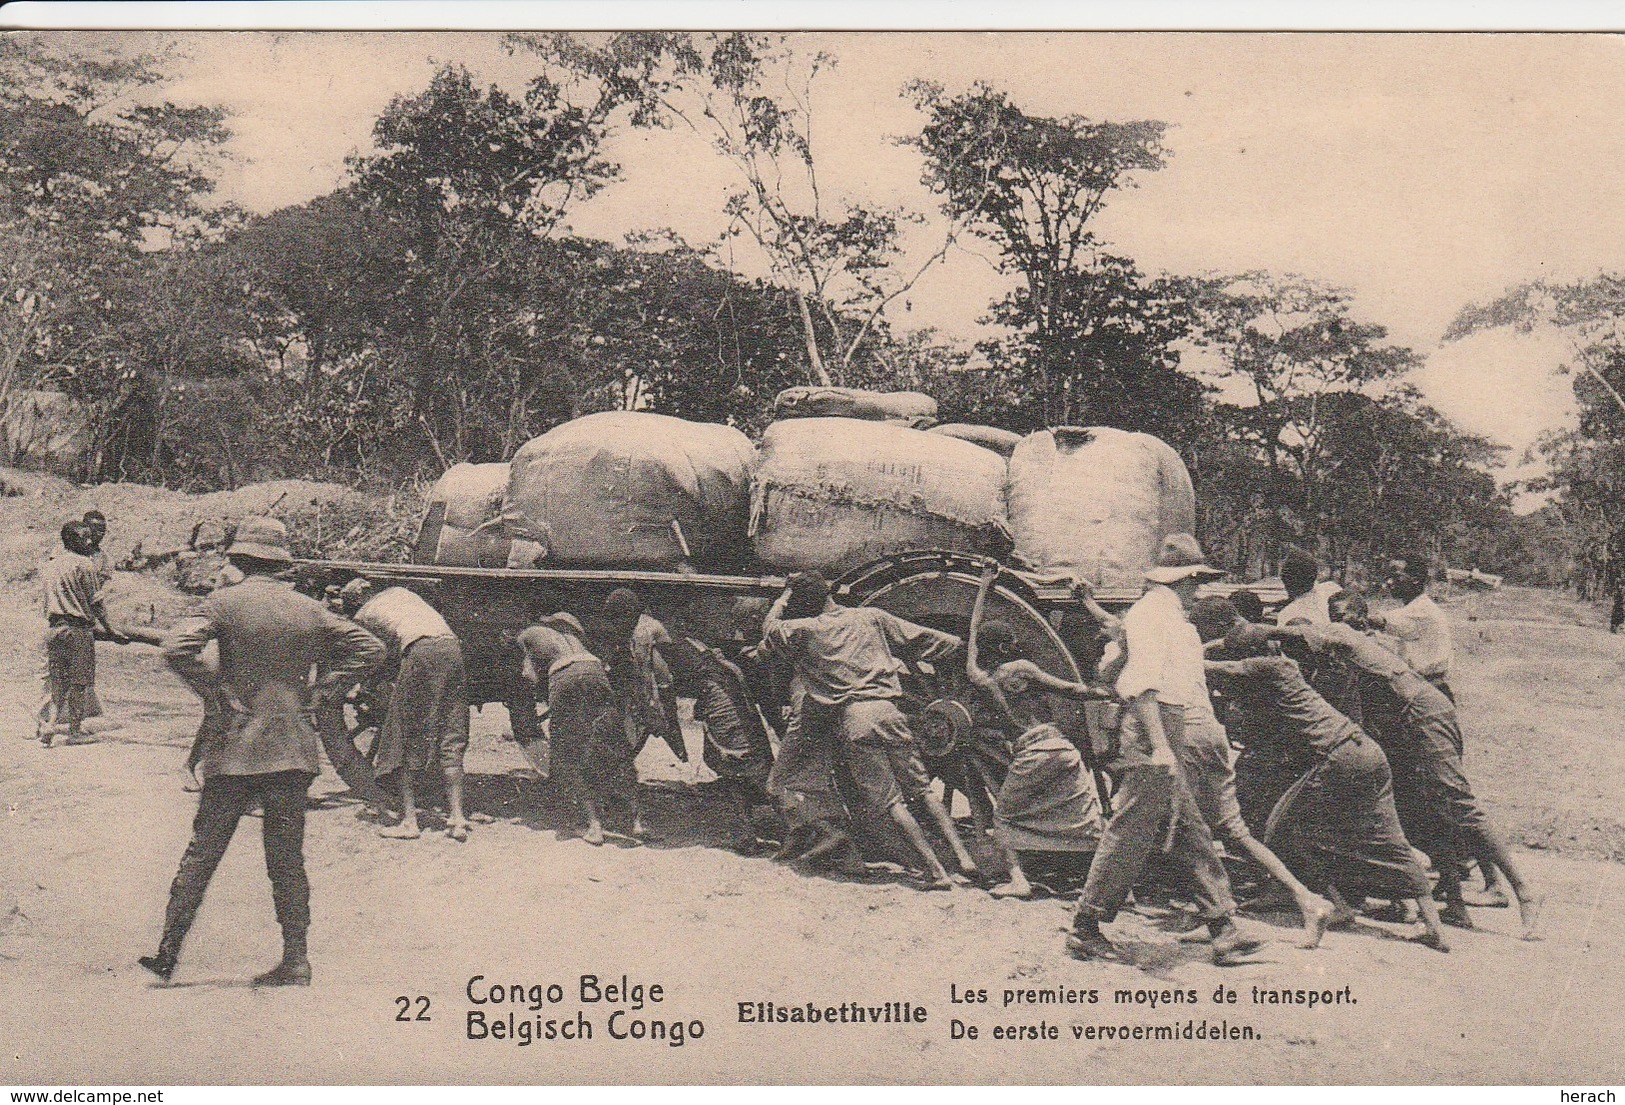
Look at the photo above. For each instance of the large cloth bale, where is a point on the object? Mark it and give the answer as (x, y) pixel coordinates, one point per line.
(462, 522)
(1002, 442)
(908, 407)
(1097, 502)
(833, 493)
(630, 489)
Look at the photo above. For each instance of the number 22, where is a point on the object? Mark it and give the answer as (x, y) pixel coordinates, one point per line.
(405, 1003)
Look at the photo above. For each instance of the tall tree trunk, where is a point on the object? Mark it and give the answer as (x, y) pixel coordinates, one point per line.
(810, 334)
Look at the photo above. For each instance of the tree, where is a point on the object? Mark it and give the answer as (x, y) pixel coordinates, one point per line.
(1401, 476)
(694, 340)
(1027, 183)
(1092, 339)
(1293, 349)
(1109, 353)
(31, 272)
(1392, 475)
(473, 178)
(1586, 477)
(753, 98)
(1583, 463)
(96, 169)
(86, 149)
(565, 326)
(1592, 311)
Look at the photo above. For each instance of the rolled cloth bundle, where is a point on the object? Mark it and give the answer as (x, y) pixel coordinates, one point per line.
(467, 504)
(633, 490)
(833, 493)
(1097, 502)
(908, 407)
(1002, 442)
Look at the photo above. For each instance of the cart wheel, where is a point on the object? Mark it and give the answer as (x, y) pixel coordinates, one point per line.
(342, 726)
(938, 589)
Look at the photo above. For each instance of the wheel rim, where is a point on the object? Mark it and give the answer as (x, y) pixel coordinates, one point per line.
(938, 590)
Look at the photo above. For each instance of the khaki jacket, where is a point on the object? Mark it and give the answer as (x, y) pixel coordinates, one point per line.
(271, 640)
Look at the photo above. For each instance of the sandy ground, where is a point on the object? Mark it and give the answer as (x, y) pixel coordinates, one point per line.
(92, 834)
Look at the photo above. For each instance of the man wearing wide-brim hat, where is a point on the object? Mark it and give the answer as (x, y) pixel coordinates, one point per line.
(1163, 674)
(266, 752)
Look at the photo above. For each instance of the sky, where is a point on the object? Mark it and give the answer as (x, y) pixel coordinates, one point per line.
(1421, 171)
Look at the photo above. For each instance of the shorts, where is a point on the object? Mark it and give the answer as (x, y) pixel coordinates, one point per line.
(886, 769)
(70, 656)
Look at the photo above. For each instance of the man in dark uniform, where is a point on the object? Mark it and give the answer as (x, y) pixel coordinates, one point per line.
(267, 752)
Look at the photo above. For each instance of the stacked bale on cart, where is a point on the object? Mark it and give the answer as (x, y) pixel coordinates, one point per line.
(462, 523)
(630, 489)
(842, 478)
(1096, 503)
(906, 408)
(832, 493)
(1002, 442)
(623, 489)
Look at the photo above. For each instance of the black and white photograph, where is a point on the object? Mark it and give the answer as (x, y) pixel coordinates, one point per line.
(730, 557)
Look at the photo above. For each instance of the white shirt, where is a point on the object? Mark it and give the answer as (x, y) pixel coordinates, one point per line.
(400, 618)
(1164, 654)
(1312, 606)
(1424, 636)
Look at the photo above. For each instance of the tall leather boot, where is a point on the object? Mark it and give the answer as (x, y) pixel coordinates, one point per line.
(294, 970)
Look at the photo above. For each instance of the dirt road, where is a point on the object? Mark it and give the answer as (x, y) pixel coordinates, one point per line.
(91, 836)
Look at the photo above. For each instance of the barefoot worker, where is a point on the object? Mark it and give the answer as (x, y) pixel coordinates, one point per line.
(1161, 679)
(427, 722)
(737, 748)
(802, 786)
(589, 751)
(631, 651)
(1423, 634)
(1047, 802)
(846, 659)
(95, 528)
(72, 589)
(1421, 727)
(270, 638)
(1338, 823)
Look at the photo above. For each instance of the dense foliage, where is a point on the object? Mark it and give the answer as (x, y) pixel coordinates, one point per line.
(1584, 524)
(434, 307)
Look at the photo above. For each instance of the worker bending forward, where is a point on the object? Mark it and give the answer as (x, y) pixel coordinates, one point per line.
(589, 749)
(844, 657)
(427, 722)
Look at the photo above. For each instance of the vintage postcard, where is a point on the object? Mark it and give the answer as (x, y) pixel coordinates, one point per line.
(649, 557)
